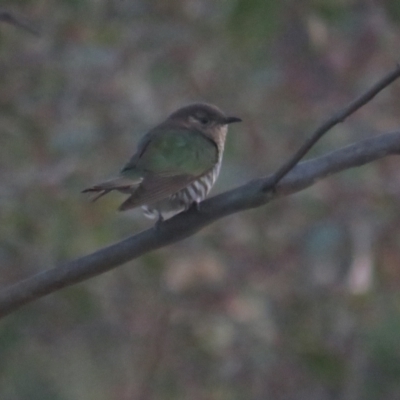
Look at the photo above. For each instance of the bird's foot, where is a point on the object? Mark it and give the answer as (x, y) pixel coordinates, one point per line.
(159, 222)
(195, 206)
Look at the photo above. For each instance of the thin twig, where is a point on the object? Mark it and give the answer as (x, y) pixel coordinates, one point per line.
(330, 123)
(10, 18)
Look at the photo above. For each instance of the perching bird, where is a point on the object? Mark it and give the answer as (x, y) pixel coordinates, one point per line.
(176, 163)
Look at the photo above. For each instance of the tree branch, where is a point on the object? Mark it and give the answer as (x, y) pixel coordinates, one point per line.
(340, 116)
(183, 225)
(10, 18)
(291, 177)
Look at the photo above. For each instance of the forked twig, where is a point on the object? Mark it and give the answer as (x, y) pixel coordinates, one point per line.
(340, 116)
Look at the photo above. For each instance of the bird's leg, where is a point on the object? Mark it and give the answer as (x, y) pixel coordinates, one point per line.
(159, 221)
(195, 205)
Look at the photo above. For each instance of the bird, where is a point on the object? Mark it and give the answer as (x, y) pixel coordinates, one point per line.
(175, 165)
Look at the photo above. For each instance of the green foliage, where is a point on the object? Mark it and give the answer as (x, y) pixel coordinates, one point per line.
(252, 23)
(327, 366)
(332, 10)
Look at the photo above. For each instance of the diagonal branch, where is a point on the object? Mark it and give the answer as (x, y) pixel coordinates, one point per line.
(183, 225)
(340, 116)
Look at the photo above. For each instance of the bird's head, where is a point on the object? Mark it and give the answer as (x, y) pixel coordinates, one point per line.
(205, 118)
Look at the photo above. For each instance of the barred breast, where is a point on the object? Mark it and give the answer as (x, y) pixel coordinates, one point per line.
(182, 200)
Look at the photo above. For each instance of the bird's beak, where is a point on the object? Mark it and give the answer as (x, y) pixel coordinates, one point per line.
(231, 120)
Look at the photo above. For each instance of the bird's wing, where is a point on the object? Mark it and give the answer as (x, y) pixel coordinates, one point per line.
(154, 189)
(169, 161)
(173, 152)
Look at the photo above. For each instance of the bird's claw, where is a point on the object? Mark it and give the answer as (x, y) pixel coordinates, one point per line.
(195, 205)
(159, 222)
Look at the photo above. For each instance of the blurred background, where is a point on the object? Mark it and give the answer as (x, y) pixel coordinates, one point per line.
(296, 300)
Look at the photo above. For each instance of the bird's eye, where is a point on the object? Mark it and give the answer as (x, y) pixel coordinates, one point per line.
(204, 120)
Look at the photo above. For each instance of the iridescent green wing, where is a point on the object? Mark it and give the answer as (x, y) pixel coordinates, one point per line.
(168, 160)
(174, 152)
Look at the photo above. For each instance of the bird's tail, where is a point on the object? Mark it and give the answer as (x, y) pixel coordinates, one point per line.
(123, 185)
